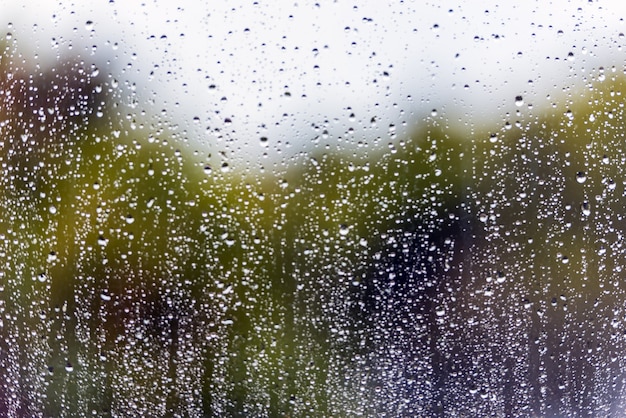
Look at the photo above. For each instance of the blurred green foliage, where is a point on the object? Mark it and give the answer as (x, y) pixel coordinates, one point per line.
(433, 278)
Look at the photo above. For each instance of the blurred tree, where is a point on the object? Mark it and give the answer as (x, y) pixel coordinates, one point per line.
(471, 274)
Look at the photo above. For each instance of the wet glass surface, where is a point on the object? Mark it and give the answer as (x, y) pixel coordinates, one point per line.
(315, 210)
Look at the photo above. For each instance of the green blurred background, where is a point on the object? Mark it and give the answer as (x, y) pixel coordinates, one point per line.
(456, 272)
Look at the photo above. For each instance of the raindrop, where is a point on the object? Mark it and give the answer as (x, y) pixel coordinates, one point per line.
(519, 101)
(102, 241)
(68, 367)
(581, 177)
(343, 230)
(585, 208)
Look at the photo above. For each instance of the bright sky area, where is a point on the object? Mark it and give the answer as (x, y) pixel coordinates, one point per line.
(280, 69)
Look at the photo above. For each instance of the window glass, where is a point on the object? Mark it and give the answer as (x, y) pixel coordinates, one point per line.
(312, 209)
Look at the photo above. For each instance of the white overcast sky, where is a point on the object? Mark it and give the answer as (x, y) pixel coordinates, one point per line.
(392, 61)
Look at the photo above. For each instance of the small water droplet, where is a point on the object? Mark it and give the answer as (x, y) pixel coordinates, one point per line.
(89, 25)
(343, 230)
(519, 101)
(585, 208)
(581, 177)
(102, 241)
(129, 219)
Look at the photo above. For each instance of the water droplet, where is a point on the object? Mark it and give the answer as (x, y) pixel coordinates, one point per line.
(581, 177)
(129, 219)
(52, 209)
(343, 230)
(519, 101)
(42, 277)
(585, 208)
(102, 241)
(89, 25)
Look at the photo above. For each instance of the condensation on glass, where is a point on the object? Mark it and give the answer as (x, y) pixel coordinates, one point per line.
(363, 220)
